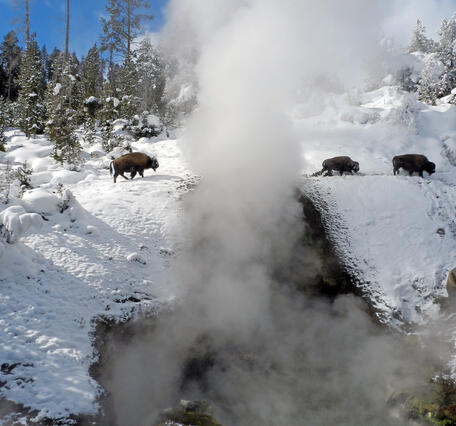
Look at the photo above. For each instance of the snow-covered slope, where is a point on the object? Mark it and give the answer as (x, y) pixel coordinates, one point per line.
(101, 249)
(105, 254)
(396, 233)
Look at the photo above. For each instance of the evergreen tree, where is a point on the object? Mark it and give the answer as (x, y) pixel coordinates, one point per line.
(62, 121)
(92, 74)
(3, 124)
(122, 26)
(128, 89)
(3, 83)
(51, 63)
(152, 72)
(429, 82)
(10, 58)
(109, 113)
(419, 42)
(31, 94)
(111, 38)
(447, 55)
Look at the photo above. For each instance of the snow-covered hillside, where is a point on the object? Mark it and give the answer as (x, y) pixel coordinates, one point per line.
(88, 248)
(397, 234)
(104, 255)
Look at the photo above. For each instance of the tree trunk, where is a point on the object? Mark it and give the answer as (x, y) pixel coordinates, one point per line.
(10, 83)
(128, 29)
(27, 22)
(67, 29)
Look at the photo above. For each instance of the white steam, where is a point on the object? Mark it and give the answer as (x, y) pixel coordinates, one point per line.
(252, 59)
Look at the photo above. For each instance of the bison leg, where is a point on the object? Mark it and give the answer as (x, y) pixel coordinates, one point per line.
(341, 172)
(141, 172)
(420, 173)
(121, 174)
(395, 171)
(132, 174)
(411, 173)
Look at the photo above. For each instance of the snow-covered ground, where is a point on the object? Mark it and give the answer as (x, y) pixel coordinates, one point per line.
(105, 254)
(396, 233)
(108, 251)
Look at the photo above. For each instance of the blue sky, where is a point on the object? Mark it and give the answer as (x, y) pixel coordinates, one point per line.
(47, 20)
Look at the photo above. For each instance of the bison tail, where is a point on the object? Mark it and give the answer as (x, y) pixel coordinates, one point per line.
(110, 168)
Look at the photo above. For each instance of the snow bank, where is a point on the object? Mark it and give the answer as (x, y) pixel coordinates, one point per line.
(15, 222)
(41, 201)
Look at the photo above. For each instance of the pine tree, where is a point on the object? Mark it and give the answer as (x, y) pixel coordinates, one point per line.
(429, 83)
(51, 63)
(3, 83)
(10, 58)
(3, 124)
(447, 55)
(419, 42)
(31, 95)
(128, 85)
(122, 26)
(23, 174)
(62, 121)
(92, 74)
(92, 86)
(109, 113)
(152, 73)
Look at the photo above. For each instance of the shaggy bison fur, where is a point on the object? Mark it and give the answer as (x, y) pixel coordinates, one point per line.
(340, 164)
(135, 162)
(413, 163)
(451, 283)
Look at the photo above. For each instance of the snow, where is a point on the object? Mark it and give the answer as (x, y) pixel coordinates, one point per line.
(15, 221)
(397, 234)
(57, 88)
(99, 244)
(76, 247)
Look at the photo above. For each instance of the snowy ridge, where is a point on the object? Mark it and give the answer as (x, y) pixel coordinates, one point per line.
(395, 233)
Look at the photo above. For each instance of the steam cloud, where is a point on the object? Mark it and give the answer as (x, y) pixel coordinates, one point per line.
(280, 359)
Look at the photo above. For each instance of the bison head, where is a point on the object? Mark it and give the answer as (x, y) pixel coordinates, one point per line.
(355, 166)
(430, 167)
(154, 163)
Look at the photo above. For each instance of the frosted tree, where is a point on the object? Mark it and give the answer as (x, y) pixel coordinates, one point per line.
(152, 73)
(419, 42)
(6, 181)
(109, 113)
(128, 89)
(24, 175)
(428, 87)
(3, 124)
(446, 53)
(62, 120)
(50, 63)
(10, 59)
(92, 73)
(31, 93)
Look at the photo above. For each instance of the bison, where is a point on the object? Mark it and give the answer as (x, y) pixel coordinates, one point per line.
(451, 283)
(413, 163)
(135, 162)
(341, 164)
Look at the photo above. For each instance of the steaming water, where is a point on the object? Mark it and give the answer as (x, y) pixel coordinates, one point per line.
(260, 352)
(308, 361)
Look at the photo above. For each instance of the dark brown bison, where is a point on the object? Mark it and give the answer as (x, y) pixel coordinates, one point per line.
(451, 283)
(413, 163)
(135, 162)
(340, 164)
